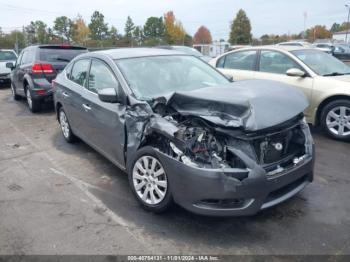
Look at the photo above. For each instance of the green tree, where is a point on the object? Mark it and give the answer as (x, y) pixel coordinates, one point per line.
(240, 29)
(138, 35)
(335, 28)
(41, 32)
(154, 28)
(98, 27)
(30, 36)
(129, 30)
(64, 27)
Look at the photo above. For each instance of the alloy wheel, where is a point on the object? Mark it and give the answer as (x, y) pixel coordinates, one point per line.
(149, 180)
(338, 121)
(64, 124)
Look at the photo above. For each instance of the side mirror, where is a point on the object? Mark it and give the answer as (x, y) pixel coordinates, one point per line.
(229, 77)
(108, 95)
(295, 72)
(10, 65)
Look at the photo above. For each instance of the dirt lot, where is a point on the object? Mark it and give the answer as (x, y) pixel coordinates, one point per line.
(57, 198)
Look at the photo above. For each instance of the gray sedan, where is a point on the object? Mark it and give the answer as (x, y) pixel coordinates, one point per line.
(184, 133)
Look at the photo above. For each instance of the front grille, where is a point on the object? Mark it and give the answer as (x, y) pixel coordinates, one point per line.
(277, 147)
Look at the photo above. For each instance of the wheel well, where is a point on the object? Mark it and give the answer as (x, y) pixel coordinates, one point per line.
(25, 83)
(324, 103)
(58, 106)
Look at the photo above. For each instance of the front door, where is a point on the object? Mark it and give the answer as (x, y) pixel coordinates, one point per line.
(104, 122)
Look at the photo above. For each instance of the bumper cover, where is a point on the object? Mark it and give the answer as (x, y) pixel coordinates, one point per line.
(216, 192)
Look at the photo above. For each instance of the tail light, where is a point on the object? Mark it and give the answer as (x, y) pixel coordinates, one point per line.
(42, 68)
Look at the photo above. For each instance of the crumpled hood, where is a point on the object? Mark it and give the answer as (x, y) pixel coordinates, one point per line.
(252, 105)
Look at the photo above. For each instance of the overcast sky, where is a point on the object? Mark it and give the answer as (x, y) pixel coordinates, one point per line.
(266, 16)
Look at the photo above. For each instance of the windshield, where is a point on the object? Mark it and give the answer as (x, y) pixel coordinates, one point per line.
(7, 56)
(59, 55)
(151, 77)
(322, 63)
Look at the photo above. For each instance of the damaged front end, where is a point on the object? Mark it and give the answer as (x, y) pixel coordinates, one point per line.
(223, 170)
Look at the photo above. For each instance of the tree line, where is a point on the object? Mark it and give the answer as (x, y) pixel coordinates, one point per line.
(163, 30)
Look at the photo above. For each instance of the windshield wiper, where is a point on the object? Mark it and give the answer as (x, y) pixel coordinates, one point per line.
(334, 74)
(62, 59)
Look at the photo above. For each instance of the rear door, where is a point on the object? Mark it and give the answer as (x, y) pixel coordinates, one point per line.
(23, 69)
(104, 122)
(14, 72)
(71, 96)
(240, 65)
(273, 65)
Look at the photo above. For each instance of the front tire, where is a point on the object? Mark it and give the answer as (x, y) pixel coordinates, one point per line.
(65, 126)
(335, 119)
(149, 181)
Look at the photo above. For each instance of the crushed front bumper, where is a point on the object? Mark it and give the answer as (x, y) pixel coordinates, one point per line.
(217, 192)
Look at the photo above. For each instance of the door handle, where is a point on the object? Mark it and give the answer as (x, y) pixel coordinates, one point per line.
(65, 94)
(86, 107)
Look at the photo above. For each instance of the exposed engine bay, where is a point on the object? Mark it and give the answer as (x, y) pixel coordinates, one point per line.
(202, 144)
(219, 132)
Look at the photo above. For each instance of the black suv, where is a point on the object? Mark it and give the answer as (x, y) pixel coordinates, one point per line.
(35, 69)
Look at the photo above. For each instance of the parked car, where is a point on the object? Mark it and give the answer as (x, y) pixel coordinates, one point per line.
(342, 52)
(325, 47)
(323, 78)
(187, 50)
(35, 69)
(296, 43)
(184, 133)
(6, 56)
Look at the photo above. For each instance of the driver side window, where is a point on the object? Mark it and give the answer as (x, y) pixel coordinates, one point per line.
(276, 62)
(101, 77)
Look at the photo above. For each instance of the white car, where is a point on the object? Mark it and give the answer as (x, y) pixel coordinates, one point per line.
(324, 79)
(6, 56)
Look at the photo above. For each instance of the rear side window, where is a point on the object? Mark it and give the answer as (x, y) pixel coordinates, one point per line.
(80, 71)
(243, 60)
(27, 58)
(101, 77)
(7, 56)
(59, 54)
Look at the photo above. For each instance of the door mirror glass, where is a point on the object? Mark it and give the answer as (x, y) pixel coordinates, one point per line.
(10, 65)
(108, 95)
(295, 72)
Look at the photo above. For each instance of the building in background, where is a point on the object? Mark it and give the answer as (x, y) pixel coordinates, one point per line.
(340, 37)
(213, 50)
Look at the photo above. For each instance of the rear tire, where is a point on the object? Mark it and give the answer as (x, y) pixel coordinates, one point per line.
(14, 94)
(149, 181)
(65, 126)
(33, 104)
(335, 119)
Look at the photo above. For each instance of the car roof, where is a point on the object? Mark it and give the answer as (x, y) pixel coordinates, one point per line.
(274, 47)
(121, 53)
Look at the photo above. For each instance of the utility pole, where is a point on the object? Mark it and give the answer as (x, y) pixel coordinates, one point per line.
(347, 24)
